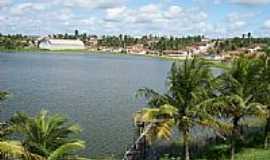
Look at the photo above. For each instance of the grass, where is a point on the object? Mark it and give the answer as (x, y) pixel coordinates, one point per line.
(253, 154)
(245, 154)
(250, 147)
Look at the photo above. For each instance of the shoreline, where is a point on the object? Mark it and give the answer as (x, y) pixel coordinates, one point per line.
(85, 51)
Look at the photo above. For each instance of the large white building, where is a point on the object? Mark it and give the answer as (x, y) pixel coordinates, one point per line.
(61, 44)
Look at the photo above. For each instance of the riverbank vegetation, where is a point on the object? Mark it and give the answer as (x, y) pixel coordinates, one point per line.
(195, 98)
(15, 42)
(224, 104)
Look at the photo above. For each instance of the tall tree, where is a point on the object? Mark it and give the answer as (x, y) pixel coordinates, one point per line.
(189, 86)
(263, 92)
(237, 86)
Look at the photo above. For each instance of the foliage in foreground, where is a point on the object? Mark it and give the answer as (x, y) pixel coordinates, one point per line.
(42, 137)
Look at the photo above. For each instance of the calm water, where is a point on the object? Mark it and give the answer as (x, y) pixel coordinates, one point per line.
(96, 91)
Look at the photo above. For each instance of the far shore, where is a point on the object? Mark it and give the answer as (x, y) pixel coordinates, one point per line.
(86, 51)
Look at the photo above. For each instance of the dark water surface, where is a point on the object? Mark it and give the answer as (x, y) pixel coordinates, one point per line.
(96, 91)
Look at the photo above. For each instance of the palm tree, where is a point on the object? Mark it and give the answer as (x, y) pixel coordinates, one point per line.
(47, 136)
(238, 86)
(263, 92)
(249, 37)
(189, 86)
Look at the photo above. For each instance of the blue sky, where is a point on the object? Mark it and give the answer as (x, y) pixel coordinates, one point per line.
(213, 18)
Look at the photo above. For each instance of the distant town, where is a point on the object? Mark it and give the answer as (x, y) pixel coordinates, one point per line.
(167, 46)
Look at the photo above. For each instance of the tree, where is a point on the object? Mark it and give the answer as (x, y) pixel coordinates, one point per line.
(249, 37)
(76, 33)
(263, 92)
(189, 86)
(3, 127)
(47, 136)
(238, 100)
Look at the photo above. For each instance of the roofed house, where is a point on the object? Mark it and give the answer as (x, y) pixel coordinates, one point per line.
(61, 44)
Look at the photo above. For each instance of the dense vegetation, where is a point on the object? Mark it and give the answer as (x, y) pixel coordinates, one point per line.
(196, 97)
(235, 43)
(17, 41)
(150, 42)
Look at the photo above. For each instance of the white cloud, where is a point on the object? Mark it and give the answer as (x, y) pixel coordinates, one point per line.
(173, 12)
(115, 14)
(4, 3)
(172, 19)
(266, 24)
(22, 8)
(238, 25)
(250, 2)
(93, 4)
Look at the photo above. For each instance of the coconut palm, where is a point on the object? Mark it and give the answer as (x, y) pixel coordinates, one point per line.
(49, 137)
(190, 84)
(238, 86)
(263, 92)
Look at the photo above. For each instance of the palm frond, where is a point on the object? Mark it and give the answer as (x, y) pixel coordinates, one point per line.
(154, 98)
(66, 149)
(16, 149)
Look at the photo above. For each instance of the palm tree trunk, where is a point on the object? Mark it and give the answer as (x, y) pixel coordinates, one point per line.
(186, 145)
(266, 132)
(232, 148)
(234, 135)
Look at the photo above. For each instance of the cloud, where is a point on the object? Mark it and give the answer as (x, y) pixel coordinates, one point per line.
(4, 3)
(93, 4)
(173, 12)
(119, 16)
(238, 25)
(24, 8)
(250, 2)
(266, 24)
(115, 14)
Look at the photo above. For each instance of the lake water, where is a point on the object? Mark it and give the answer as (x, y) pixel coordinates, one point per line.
(97, 91)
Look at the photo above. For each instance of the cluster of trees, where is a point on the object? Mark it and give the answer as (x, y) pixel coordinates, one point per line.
(235, 43)
(43, 137)
(76, 35)
(14, 41)
(195, 97)
(117, 41)
(150, 42)
(174, 43)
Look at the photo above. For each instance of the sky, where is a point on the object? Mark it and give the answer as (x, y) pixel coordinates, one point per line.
(212, 18)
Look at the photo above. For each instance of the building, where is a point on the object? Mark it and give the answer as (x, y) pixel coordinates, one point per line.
(60, 44)
(177, 53)
(92, 42)
(253, 50)
(136, 49)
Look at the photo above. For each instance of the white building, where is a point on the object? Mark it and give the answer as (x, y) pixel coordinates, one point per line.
(61, 44)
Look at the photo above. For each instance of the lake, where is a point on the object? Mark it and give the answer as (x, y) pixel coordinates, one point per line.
(97, 91)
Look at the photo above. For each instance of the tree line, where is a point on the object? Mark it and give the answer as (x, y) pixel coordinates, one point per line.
(232, 44)
(17, 41)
